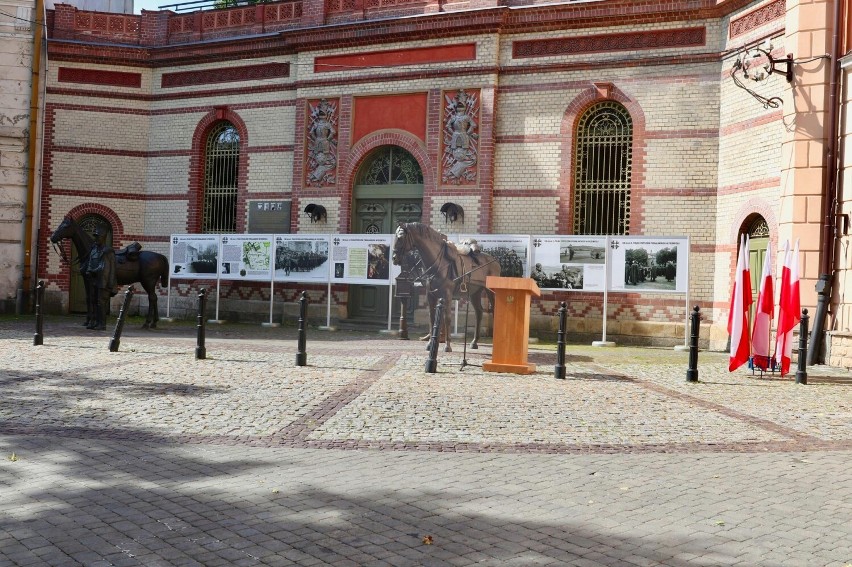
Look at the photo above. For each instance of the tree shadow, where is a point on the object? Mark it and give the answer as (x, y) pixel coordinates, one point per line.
(141, 503)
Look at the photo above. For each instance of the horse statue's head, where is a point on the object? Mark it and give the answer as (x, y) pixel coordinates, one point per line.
(65, 230)
(403, 244)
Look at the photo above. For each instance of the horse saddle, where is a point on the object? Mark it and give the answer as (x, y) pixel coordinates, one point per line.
(129, 253)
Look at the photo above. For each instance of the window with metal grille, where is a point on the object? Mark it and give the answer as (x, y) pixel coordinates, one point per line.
(602, 170)
(391, 165)
(221, 172)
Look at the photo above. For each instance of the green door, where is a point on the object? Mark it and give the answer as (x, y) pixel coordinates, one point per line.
(388, 189)
(758, 242)
(378, 216)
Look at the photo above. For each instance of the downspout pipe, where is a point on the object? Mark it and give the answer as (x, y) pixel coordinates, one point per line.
(829, 198)
(27, 285)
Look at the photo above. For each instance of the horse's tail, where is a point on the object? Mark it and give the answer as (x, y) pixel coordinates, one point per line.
(164, 274)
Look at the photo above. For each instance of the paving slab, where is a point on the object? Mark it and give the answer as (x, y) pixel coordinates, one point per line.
(148, 456)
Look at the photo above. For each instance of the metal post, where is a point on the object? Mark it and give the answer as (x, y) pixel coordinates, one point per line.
(432, 361)
(801, 372)
(200, 349)
(559, 371)
(301, 355)
(823, 289)
(119, 323)
(692, 369)
(403, 319)
(38, 337)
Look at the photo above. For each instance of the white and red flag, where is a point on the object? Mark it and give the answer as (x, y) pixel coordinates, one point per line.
(738, 314)
(763, 314)
(789, 307)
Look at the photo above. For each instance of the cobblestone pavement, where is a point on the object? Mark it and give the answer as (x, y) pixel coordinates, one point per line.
(149, 457)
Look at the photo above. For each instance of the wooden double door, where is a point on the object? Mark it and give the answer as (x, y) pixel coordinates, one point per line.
(379, 215)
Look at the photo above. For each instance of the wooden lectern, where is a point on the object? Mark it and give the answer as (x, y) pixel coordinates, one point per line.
(511, 324)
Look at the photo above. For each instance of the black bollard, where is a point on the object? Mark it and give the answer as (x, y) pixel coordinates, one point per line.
(301, 355)
(201, 321)
(403, 321)
(432, 361)
(119, 323)
(38, 337)
(559, 371)
(692, 370)
(801, 372)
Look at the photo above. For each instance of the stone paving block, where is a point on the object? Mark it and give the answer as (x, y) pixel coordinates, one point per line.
(483, 465)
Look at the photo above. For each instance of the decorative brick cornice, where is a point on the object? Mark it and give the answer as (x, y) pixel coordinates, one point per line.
(226, 75)
(276, 28)
(757, 17)
(658, 39)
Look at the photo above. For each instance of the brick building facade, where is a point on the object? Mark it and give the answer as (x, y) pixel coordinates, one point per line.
(132, 101)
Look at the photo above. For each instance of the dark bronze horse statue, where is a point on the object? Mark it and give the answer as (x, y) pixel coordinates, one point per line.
(447, 272)
(148, 269)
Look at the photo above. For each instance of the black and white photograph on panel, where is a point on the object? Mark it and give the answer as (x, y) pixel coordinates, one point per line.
(649, 264)
(578, 253)
(301, 257)
(569, 262)
(194, 256)
(510, 251)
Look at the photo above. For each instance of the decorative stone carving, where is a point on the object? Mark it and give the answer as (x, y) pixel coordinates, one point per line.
(322, 144)
(461, 138)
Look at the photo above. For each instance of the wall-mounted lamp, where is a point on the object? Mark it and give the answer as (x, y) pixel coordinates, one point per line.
(452, 212)
(757, 63)
(841, 223)
(316, 212)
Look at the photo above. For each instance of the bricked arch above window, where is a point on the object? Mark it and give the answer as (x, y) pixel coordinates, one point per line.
(221, 179)
(603, 166)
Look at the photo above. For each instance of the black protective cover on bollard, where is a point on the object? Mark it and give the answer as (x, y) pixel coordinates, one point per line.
(301, 354)
(692, 369)
(201, 322)
(559, 370)
(115, 342)
(38, 337)
(801, 371)
(432, 361)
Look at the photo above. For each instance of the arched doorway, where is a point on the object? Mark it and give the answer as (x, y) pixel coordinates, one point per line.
(757, 230)
(388, 190)
(77, 290)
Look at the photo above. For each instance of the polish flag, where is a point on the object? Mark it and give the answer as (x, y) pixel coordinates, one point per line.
(790, 307)
(738, 314)
(763, 314)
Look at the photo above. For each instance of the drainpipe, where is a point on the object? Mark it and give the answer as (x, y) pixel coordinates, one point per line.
(829, 199)
(32, 151)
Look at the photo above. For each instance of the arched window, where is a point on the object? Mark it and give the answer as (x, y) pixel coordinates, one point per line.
(602, 170)
(390, 165)
(221, 172)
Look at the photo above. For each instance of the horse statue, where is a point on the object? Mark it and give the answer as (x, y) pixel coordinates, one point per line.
(132, 266)
(446, 271)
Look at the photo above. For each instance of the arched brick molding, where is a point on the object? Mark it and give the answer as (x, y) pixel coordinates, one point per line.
(196, 167)
(363, 147)
(595, 93)
(63, 278)
(743, 219)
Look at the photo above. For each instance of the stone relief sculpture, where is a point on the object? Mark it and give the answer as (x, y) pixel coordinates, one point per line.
(322, 144)
(461, 138)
